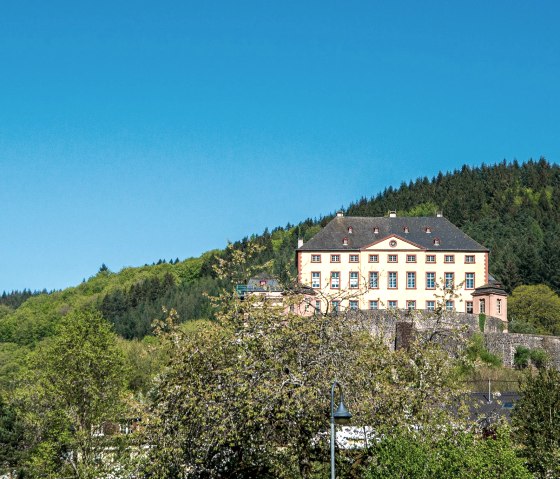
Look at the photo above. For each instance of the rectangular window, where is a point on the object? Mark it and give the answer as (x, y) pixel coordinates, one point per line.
(431, 305)
(374, 258)
(430, 258)
(411, 305)
(411, 280)
(353, 279)
(335, 258)
(354, 258)
(392, 304)
(335, 279)
(469, 280)
(392, 280)
(374, 304)
(482, 306)
(469, 258)
(374, 279)
(335, 306)
(430, 281)
(449, 306)
(469, 308)
(449, 258)
(315, 280)
(449, 280)
(411, 258)
(315, 258)
(392, 258)
(499, 306)
(353, 305)
(318, 305)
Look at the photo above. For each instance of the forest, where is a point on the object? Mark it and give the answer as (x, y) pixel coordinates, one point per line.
(132, 319)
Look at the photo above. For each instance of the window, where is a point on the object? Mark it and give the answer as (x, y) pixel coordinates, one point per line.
(350, 230)
(430, 281)
(374, 258)
(411, 305)
(392, 304)
(411, 258)
(345, 241)
(335, 279)
(353, 305)
(469, 280)
(315, 280)
(449, 306)
(405, 229)
(392, 280)
(469, 258)
(449, 280)
(318, 305)
(427, 229)
(335, 306)
(436, 242)
(315, 258)
(411, 280)
(482, 306)
(354, 279)
(373, 279)
(499, 306)
(374, 304)
(392, 258)
(335, 258)
(430, 258)
(449, 258)
(469, 308)
(375, 230)
(354, 258)
(431, 305)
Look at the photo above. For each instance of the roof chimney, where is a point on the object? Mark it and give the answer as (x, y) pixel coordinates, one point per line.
(439, 214)
(392, 214)
(299, 242)
(340, 213)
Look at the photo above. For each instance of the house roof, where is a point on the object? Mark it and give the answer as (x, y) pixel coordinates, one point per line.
(422, 231)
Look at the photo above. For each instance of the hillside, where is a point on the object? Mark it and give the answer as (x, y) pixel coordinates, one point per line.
(514, 209)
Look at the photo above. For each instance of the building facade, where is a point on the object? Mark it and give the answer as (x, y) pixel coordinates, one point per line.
(398, 262)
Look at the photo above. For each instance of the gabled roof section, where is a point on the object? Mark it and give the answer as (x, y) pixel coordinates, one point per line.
(422, 231)
(399, 239)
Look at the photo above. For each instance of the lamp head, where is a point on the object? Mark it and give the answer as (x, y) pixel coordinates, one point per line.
(342, 415)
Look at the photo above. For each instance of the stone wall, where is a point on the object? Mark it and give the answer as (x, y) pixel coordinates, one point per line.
(505, 344)
(397, 328)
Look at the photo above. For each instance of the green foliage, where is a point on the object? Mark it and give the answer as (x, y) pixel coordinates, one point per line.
(76, 383)
(481, 321)
(458, 455)
(538, 357)
(534, 309)
(476, 351)
(12, 440)
(536, 421)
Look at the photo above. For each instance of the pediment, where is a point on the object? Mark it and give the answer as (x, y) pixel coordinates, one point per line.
(393, 242)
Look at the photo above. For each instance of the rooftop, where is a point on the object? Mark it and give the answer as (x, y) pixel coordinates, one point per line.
(431, 233)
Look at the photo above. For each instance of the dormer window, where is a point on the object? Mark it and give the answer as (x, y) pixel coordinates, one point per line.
(436, 242)
(345, 241)
(349, 230)
(405, 229)
(427, 229)
(375, 230)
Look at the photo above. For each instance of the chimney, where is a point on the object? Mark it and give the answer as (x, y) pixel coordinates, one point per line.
(340, 213)
(392, 214)
(439, 214)
(299, 242)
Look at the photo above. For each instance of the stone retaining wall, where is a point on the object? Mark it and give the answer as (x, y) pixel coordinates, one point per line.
(505, 344)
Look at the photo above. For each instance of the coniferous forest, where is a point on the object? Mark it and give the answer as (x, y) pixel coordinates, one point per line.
(511, 208)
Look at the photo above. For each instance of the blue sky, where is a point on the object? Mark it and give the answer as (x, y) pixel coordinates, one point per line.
(133, 131)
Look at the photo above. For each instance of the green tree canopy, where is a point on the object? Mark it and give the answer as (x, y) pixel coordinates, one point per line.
(534, 308)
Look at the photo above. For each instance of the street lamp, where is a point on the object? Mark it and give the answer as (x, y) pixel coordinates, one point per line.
(340, 416)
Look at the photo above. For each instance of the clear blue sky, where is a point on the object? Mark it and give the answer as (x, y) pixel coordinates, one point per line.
(133, 131)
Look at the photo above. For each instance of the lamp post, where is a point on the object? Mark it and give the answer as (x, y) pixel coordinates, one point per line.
(340, 416)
